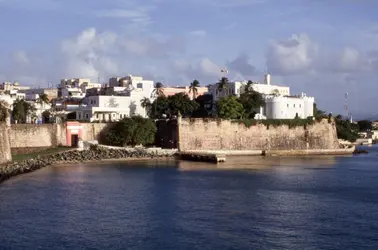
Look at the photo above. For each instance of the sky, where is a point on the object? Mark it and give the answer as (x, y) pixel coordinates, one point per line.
(325, 48)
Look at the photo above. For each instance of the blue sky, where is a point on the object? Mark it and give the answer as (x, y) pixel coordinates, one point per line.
(322, 47)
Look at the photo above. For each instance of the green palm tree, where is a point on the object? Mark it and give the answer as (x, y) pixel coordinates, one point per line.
(248, 87)
(146, 104)
(21, 110)
(223, 84)
(158, 89)
(43, 98)
(193, 88)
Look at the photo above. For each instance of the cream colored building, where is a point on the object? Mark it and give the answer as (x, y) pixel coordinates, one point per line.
(8, 86)
(75, 87)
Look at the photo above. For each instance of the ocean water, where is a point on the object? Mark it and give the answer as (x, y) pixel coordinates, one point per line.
(245, 203)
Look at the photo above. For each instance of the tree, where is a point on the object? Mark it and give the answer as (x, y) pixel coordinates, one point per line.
(345, 129)
(22, 110)
(131, 132)
(251, 100)
(229, 107)
(223, 84)
(193, 88)
(159, 107)
(365, 125)
(146, 104)
(158, 89)
(43, 98)
(319, 114)
(205, 106)
(248, 86)
(172, 105)
(181, 102)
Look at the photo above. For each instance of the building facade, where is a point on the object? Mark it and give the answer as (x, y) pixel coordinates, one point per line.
(288, 107)
(237, 88)
(119, 100)
(279, 104)
(168, 91)
(75, 87)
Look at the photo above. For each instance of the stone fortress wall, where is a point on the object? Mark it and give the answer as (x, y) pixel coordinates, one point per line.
(212, 134)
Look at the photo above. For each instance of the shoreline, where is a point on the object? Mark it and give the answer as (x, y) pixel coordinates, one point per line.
(93, 155)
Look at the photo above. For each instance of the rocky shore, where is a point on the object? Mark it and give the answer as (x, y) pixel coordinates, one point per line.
(75, 156)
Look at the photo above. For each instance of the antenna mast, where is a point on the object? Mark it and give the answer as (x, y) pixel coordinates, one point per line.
(224, 71)
(346, 109)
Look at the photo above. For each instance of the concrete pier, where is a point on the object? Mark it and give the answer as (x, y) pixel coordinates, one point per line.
(220, 155)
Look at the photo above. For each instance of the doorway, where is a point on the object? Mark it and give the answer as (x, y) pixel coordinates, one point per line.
(74, 140)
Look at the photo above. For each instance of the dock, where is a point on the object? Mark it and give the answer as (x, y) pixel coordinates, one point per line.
(217, 156)
(202, 156)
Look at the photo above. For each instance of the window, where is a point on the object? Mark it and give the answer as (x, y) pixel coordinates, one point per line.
(300, 105)
(288, 105)
(140, 85)
(86, 116)
(294, 105)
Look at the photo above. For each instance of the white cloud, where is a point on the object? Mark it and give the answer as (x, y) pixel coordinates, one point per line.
(20, 57)
(200, 33)
(243, 67)
(294, 55)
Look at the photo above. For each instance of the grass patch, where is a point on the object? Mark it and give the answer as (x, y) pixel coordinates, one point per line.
(22, 157)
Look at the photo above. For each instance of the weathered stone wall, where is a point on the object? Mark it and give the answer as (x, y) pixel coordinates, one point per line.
(206, 134)
(5, 152)
(92, 131)
(37, 135)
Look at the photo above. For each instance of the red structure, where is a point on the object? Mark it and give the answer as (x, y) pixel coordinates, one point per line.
(74, 131)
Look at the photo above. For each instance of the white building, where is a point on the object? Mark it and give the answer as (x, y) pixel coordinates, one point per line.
(129, 81)
(123, 101)
(237, 88)
(288, 107)
(279, 104)
(75, 87)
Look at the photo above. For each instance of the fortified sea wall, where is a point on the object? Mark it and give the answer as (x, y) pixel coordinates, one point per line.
(26, 138)
(5, 152)
(211, 134)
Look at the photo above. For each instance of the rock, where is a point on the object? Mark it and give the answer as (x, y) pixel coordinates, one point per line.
(360, 151)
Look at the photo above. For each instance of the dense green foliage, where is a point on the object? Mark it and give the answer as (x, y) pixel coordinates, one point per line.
(346, 130)
(251, 100)
(22, 110)
(365, 125)
(229, 107)
(172, 105)
(130, 132)
(205, 107)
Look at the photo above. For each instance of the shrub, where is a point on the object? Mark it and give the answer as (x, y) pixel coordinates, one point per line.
(130, 132)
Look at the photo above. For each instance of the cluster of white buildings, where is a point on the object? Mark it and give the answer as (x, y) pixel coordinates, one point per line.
(80, 99)
(279, 103)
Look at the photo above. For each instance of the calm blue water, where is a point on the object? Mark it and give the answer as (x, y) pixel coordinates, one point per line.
(274, 203)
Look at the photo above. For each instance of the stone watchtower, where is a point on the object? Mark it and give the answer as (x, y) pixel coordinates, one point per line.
(5, 150)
